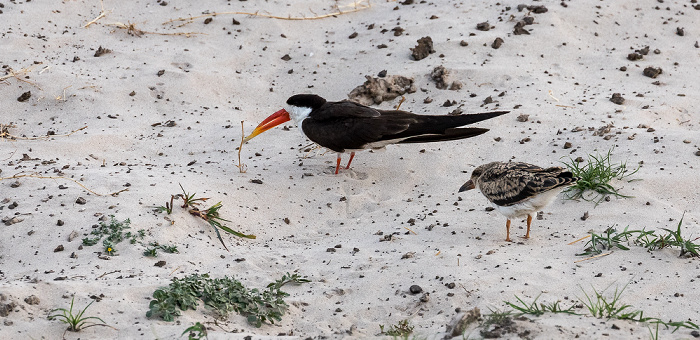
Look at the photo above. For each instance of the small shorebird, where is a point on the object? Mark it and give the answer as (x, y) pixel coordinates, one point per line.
(517, 189)
(348, 126)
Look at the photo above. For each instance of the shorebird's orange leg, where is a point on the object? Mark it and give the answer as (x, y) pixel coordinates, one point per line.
(529, 221)
(352, 155)
(508, 231)
(337, 164)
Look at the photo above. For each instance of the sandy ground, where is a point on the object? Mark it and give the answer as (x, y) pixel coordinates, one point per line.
(163, 110)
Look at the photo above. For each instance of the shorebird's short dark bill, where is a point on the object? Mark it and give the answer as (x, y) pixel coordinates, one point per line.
(346, 126)
(517, 189)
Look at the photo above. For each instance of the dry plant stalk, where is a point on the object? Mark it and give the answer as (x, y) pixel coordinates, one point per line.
(593, 257)
(133, 31)
(5, 134)
(581, 239)
(36, 175)
(242, 168)
(355, 6)
(12, 74)
(103, 13)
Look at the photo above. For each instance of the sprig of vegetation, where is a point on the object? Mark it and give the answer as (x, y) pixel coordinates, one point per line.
(595, 175)
(402, 328)
(211, 214)
(223, 295)
(538, 309)
(152, 250)
(648, 239)
(196, 332)
(114, 232)
(612, 308)
(76, 322)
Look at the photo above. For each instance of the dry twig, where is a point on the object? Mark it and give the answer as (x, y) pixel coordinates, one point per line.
(5, 134)
(241, 167)
(16, 74)
(36, 175)
(356, 6)
(103, 13)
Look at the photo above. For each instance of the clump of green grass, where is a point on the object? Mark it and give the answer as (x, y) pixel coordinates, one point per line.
(77, 321)
(538, 309)
(595, 175)
(223, 296)
(648, 239)
(210, 215)
(115, 233)
(402, 329)
(601, 307)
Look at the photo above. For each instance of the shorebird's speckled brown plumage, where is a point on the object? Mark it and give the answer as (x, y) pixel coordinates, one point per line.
(518, 189)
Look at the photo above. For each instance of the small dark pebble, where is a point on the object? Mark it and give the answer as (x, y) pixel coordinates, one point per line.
(256, 181)
(695, 334)
(489, 208)
(60, 223)
(497, 43)
(483, 26)
(80, 200)
(585, 216)
(599, 275)
(160, 73)
(330, 250)
(464, 43)
(415, 289)
(32, 300)
(423, 49)
(286, 57)
(61, 186)
(680, 31)
(15, 184)
(353, 35)
(381, 74)
(617, 99)
(59, 248)
(132, 93)
(208, 20)
(652, 72)
(235, 22)
(614, 326)
(101, 50)
(25, 96)
(567, 145)
(160, 263)
(623, 68)
(634, 56)
(537, 9)
(451, 285)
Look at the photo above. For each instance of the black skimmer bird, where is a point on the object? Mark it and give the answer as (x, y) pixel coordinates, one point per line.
(517, 189)
(348, 126)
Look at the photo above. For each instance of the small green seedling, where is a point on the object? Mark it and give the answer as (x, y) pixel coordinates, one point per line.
(400, 329)
(112, 234)
(196, 332)
(76, 322)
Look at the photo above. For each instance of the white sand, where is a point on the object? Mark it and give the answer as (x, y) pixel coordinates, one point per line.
(561, 75)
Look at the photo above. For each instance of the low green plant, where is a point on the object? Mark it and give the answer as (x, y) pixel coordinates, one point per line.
(538, 309)
(223, 295)
(112, 234)
(601, 306)
(153, 247)
(496, 317)
(196, 332)
(211, 214)
(402, 329)
(650, 240)
(595, 175)
(78, 321)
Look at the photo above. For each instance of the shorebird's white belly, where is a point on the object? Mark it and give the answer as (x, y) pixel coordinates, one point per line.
(530, 205)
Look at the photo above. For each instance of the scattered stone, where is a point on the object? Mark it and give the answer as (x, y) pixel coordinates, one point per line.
(6, 308)
(537, 9)
(32, 300)
(439, 76)
(208, 20)
(59, 223)
(10, 221)
(80, 200)
(680, 31)
(377, 90)
(59, 248)
(100, 51)
(286, 57)
(623, 68)
(522, 118)
(461, 321)
(652, 72)
(585, 216)
(256, 181)
(617, 99)
(488, 100)
(497, 43)
(567, 145)
(634, 56)
(330, 250)
(15, 184)
(645, 50)
(695, 334)
(408, 255)
(160, 73)
(464, 43)
(483, 26)
(160, 263)
(423, 49)
(415, 289)
(25, 96)
(353, 35)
